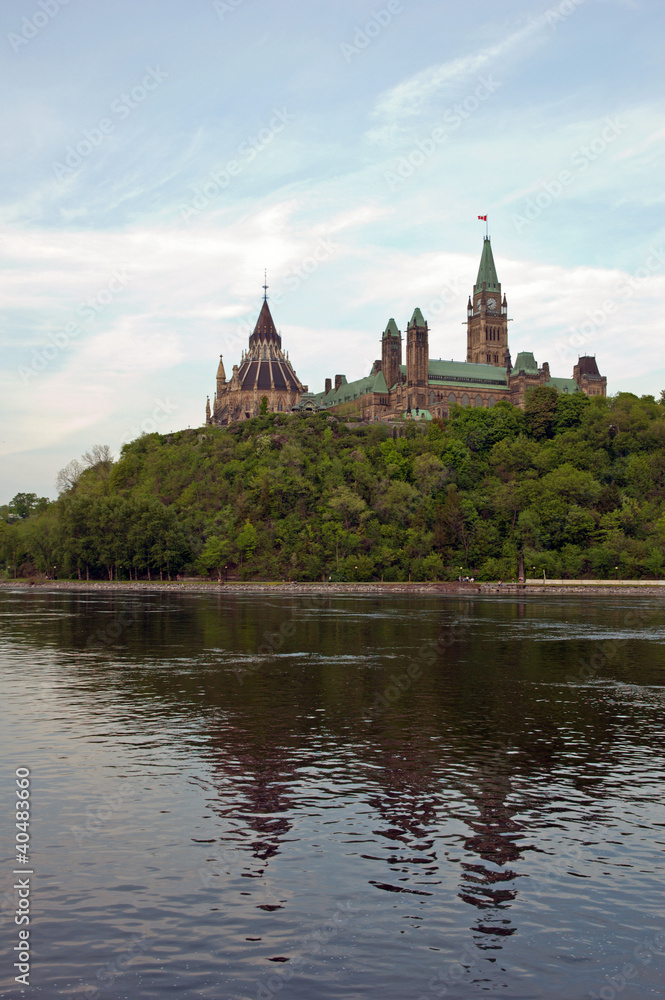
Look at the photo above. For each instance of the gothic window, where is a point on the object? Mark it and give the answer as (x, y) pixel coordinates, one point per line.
(452, 398)
(478, 402)
(444, 411)
(465, 400)
(496, 359)
(280, 405)
(490, 402)
(431, 397)
(488, 358)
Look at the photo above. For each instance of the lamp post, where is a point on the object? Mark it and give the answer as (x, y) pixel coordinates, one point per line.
(616, 572)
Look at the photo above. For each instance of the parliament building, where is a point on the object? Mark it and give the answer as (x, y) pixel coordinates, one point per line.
(421, 388)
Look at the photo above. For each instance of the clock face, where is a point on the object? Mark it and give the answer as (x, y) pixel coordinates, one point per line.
(491, 303)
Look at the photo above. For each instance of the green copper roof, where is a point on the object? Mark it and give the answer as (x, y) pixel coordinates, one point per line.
(463, 374)
(487, 270)
(391, 330)
(349, 391)
(525, 362)
(417, 318)
(565, 385)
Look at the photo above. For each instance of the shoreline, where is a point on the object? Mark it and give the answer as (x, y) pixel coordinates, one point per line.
(590, 588)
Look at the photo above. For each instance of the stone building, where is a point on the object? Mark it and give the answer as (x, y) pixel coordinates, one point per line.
(264, 371)
(424, 387)
(414, 385)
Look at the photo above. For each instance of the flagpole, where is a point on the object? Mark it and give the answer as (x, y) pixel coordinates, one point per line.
(487, 227)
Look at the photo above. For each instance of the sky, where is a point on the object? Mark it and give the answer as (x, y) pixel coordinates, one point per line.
(160, 156)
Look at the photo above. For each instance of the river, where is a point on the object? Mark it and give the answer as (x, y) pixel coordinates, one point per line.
(258, 796)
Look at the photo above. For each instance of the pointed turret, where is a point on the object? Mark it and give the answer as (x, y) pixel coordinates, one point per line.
(265, 329)
(487, 270)
(417, 359)
(391, 330)
(487, 315)
(208, 410)
(221, 374)
(417, 318)
(391, 353)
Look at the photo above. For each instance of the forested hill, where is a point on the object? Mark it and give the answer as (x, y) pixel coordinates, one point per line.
(576, 485)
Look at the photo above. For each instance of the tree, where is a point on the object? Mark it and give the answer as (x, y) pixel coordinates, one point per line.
(214, 555)
(25, 504)
(540, 410)
(347, 503)
(247, 540)
(68, 477)
(99, 454)
(263, 407)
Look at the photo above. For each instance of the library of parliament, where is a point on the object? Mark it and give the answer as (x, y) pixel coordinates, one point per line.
(421, 389)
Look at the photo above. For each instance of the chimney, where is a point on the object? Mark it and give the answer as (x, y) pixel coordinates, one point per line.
(338, 381)
(328, 385)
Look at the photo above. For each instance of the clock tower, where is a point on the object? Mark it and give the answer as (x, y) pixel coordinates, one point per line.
(487, 316)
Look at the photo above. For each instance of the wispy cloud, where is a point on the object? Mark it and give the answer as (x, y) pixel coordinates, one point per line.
(413, 96)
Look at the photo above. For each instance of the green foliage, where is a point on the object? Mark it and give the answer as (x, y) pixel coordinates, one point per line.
(25, 504)
(540, 410)
(574, 485)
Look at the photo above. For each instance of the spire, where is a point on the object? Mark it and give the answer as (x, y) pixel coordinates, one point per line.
(221, 374)
(265, 328)
(265, 286)
(417, 318)
(391, 330)
(487, 270)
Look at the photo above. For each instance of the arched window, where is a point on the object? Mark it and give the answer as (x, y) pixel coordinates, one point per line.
(490, 402)
(280, 405)
(496, 359)
(465, 400)
(444, 411)
(431, 397)
(478, 402)
(452, 398)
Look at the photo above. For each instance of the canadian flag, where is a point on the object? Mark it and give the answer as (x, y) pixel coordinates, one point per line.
(483, 217)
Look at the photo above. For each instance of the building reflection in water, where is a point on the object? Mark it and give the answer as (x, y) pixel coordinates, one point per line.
(487, 884)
